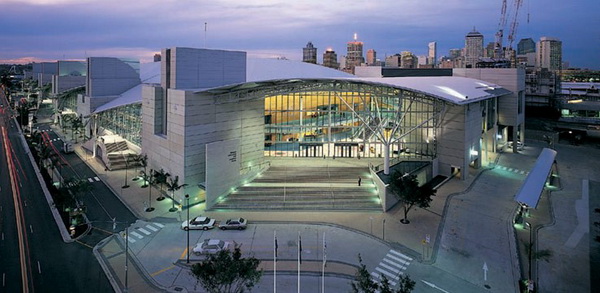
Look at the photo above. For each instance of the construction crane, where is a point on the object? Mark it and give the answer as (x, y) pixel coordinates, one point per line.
(499, 52)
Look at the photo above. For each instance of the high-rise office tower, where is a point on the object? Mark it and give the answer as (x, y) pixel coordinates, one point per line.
(525, 46)
(309, 53)
(549, 53)
(330, 59)
(371, 57)
(354, 56)
(432, 54)
(473, 48)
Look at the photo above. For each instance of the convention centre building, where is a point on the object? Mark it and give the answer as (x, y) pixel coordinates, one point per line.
(219, 120)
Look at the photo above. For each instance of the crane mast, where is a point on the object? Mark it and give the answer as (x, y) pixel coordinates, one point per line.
(499, 52)
(498, 49)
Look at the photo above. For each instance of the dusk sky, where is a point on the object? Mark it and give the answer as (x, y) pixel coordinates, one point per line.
(37, 30)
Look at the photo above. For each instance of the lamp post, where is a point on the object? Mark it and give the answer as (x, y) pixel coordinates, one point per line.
(383, 228)
(187, 198)
(126, 166)
(530, 246)
(114, 221)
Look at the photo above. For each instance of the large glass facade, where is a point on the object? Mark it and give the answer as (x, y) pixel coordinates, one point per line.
(328, 119)
(125, 121)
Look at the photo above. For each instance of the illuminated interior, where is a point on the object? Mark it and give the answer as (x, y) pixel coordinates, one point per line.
(350, 120)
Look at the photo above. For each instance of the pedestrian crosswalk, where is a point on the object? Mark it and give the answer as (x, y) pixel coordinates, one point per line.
(93, 179)
(138, 233)
(392, 266)
(514, 170)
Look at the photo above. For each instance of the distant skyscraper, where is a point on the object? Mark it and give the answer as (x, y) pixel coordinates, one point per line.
(309, 53)
(432, 54)
(473, 48)
(330, 59)
(354, 56)
(525, 46)
(156, 57)
(371, 57)
(549, 53)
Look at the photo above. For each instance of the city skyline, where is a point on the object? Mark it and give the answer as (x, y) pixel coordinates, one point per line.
(40, 30)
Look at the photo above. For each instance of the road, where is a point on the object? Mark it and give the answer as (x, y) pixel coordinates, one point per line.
(49, 264)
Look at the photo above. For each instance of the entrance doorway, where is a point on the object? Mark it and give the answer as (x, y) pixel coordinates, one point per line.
(311, 150)
(345, 150)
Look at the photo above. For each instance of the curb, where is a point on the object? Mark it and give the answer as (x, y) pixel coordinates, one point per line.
(59, 223)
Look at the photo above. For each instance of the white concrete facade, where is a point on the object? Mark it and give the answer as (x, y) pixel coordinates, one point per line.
(511, 108)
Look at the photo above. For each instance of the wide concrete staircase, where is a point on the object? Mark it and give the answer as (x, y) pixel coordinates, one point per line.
(119, 155)
(307, 188)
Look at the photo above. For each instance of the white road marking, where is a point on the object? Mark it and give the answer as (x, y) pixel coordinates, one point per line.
(144, 231)
(401, 255)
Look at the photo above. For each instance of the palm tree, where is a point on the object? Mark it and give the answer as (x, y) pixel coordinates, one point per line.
(161, 178)
(140, 160)
(173, 185)
(44, 153)
(78, 187)
(149, 179)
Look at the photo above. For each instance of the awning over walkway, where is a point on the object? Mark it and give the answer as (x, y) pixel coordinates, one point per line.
(531, 190)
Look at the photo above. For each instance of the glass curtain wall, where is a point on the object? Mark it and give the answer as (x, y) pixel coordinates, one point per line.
(350, 120)
(125, 121)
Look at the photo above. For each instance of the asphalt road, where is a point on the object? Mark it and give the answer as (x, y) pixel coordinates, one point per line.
(53, 266)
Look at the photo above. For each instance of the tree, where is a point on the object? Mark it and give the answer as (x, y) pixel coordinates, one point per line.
(406, 285)
(406, 189)
(149, 180)
(78, 187)
(364, 282)
(172, 186)
(161, 178)
(140, 160)
(227, 271)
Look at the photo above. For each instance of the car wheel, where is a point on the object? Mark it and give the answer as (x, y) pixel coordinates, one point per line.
(186, 228)
(223, 228)
(204, 228)
(240, 228)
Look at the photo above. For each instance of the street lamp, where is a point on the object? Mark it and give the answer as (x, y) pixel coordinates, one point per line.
(530, 247)
(114, 220)
(126, 166)
(187, 197)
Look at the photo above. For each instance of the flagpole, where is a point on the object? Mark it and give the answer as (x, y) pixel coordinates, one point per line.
(299, 251)
(324, 262)
(275, 262)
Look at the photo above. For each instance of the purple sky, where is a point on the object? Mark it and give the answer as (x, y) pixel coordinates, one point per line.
(74, 29)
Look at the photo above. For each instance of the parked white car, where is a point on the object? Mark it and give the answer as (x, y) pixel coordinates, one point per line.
(236, 223)
(212, 246)
(199, 222)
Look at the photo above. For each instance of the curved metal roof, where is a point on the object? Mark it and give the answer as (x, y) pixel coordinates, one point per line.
(456, 90)
(273, 72)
